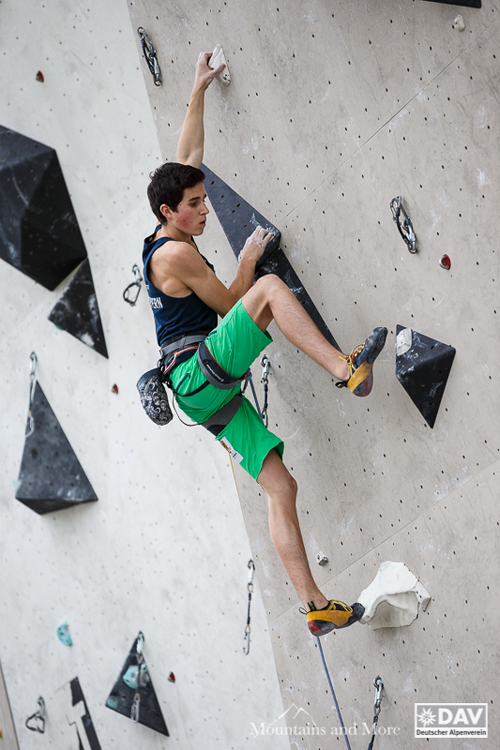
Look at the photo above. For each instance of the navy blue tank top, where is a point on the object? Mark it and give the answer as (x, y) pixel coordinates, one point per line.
(175, 316)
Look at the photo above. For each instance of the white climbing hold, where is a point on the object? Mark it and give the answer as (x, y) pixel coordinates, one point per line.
(459, 23)
(217, 58)
(393, 598)
(403, 341)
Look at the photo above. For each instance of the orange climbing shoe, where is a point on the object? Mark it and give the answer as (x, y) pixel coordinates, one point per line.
(360, 362)
(334, 616)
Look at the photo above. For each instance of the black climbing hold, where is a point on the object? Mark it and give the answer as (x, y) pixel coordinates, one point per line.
(238, 220)
(422, 367)
(39, 232)
(79, 715)
(51, 477)
(465, 3)
(134, 679)
(77, 311)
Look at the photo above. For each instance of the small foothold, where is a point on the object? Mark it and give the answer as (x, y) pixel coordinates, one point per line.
(321, 559)
(39, 76)
(445, 262)
(171, 677)
(459, 23)
(63, 634)
(114, 388)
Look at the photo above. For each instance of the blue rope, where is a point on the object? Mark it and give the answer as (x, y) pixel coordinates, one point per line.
(333, 693)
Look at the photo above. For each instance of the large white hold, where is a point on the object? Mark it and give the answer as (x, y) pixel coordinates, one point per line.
(393, 598)
(218, 58)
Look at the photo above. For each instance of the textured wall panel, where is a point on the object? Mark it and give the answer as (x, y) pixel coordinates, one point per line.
(156, 548)
(331, 113)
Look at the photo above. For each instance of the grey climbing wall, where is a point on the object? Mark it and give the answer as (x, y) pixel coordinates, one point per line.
(334, 110)
(152, 554)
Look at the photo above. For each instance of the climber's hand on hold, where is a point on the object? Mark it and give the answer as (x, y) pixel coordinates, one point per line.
(203, 75)
(255, 245)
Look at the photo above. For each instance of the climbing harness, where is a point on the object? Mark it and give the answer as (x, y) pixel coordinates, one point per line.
(30, 424)
(150, 55)
(154, 398)
(406, 229)
(246, 647)
(38, 718)
(378, 683)
(214, 372)
(136, 283)
(136, 703)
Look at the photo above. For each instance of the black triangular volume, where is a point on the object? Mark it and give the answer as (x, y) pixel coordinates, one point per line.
(237, 217)
(238, 220)
(465, 3)
(77, 311)
(39, 232)
(121, 697)
(422, 367)
(51, 477)
(80, 716)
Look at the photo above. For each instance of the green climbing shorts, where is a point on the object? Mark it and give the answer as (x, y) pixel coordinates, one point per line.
(235, 344)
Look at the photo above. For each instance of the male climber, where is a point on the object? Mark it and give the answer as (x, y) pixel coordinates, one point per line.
(187, 299)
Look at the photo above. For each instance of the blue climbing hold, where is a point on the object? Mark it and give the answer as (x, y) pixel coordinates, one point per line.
(63, 634)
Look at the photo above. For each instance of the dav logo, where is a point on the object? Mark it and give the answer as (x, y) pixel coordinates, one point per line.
(451, 720)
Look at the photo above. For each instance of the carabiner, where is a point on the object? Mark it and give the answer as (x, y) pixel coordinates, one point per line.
(38, 716)
(137, 283)
(406, 230)
(379, 684)
(150, 56)
(251, 566)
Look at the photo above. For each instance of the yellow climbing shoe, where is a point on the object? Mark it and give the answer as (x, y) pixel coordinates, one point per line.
(334, 616)
(360, 362)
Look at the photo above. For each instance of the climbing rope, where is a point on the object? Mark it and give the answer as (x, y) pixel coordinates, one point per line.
(136, 283)
(150, 55)
(246, 647)
(379, 684)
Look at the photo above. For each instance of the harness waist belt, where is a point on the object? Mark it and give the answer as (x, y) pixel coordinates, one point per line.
(182, 343)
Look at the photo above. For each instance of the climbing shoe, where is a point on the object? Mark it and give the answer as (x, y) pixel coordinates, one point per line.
(154, 397)
(360, 362)
(334, 616)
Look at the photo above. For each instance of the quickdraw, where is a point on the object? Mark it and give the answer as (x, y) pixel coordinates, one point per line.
(136, 283)
(30, 424)
(38, 718)
(379, 684)
(149, 52)
(406, 229)
(246, 647)
(266, 364)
